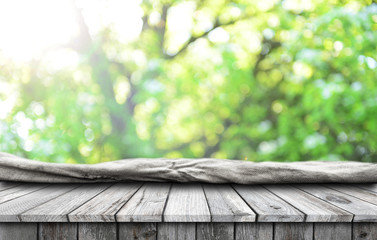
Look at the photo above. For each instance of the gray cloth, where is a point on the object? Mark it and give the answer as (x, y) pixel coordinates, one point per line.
(13, 168)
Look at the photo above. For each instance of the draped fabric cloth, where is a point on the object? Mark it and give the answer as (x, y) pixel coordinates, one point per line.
(13, 168)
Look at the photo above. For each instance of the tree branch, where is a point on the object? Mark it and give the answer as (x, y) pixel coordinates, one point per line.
(161, 27)
(194, 38)
(262, 55)
(83, 40)
(101, 75)
(129, 104)
(210, 150)
(145, 23)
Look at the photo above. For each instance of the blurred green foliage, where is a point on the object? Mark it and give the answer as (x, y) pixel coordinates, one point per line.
(263, 80)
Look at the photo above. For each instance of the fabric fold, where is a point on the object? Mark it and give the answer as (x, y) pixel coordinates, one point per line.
(206, 170)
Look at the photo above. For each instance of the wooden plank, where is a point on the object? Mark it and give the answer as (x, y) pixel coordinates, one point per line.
(103, 207)
(218, 231)
(226, 205)
(57, 209)
(370, 186)
(316, 210)
(147, 205)
(269, 207)
(176, 231)
(354, 191)
(18, 191)
(364, 231)
(18, 231)
(97, 231)
(57, 231)
(333, 231)
(250, 231)
(138, 231)
(363, 211)
(10, 211)
(187, 203)
(7, 185)
(293, 231)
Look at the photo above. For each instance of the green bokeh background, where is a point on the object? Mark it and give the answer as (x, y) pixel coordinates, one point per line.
(256, 80)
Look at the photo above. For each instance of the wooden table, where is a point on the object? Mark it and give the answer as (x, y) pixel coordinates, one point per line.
(187, 211)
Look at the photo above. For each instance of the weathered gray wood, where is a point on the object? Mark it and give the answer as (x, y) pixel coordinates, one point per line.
(7, 185)
(57, 231)
(363, 211)
(253, 231)
(316, 210)
(137, 231)
(147, 205)
(187, 203)
(18, 231)
(268, 206)
(214, 231)
(57, 209)
(293, 231)
(354, 191)
(97, 231)
(10, 211)
(103, 207)
(226, 205)
(176, 231)
(18, 191)
(333, 231)
(364, 231)
(370, 186)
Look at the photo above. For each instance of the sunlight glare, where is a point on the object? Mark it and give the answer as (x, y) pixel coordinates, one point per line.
(124, 17)
(28, 28)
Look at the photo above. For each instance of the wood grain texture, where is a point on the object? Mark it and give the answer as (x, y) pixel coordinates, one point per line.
(268, 206)
(333, 231)
(364, 231)
(354, 191)
(10, 211)
(147, 205)
(226, 205)
(176, 231)
(94, 231)
(18, 191)
(104, 206)
(316, 210)
(188, 231)
(192, 202)
(370, 186)
(293, 231)
(18, 231)
(57, 209)
(57, 231)
(214, 231)
(137, 231)
(253, 231)
(362, 211)
(7, 185)
(187, 203)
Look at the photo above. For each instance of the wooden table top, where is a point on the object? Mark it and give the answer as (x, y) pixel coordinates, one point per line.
(187, 202)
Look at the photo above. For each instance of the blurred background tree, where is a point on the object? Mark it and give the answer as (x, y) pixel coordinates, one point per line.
(91, 81)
